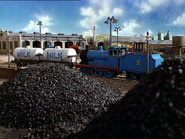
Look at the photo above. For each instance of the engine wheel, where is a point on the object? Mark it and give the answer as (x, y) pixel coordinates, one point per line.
(82, 70)
(98, 73)
(89, 71)
(129, 76)
(109, 73)
(138, 77)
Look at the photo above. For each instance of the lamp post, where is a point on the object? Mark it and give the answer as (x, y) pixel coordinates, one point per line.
(117, 29)
(40, 24)
(109, 21)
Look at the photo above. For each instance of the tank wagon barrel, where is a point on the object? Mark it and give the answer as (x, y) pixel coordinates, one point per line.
(24, 56)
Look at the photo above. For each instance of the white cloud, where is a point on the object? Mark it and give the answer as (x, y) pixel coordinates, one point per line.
(145, 7)
(150, 5)
(90, 18)
(117, 11)
(103, 12)
(46, 20)
(180, 20)
(157, 2)
(128, 28)
(150, 31)
(162, 36)
(33, 27)
(97, 11)
(88, 33)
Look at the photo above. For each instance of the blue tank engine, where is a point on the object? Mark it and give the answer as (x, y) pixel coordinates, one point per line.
(116, 60)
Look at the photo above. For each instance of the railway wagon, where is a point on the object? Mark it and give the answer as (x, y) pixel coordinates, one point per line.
(26, 56)
(116, 60)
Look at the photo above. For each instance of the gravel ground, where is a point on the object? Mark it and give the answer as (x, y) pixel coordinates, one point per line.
(4, 58)
(121, 84)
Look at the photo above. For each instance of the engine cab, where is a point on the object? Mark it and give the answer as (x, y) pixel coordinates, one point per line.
(117, 51)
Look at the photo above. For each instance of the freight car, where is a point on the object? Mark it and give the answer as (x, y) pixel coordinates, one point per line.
(25, 56)
(117, 60)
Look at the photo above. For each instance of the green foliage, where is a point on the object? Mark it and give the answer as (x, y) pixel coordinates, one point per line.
(167, 36)
(159, 35)
(99, 37)
(152, 37)
(125, 43)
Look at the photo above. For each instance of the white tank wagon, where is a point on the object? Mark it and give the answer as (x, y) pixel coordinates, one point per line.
(61, 55)
(24, 56)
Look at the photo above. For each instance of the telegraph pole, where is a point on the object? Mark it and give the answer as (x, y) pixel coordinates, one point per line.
(8, 44)
(40, 24)
(147, 55)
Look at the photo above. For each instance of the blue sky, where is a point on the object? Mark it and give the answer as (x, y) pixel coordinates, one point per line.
(135, 17)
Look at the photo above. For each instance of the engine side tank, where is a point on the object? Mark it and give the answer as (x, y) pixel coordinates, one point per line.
(59, 54)
(27, 53)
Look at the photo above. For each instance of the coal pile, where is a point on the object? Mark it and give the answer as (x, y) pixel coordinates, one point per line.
(53, 101)
(153, 109)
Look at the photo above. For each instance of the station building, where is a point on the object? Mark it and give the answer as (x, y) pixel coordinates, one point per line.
(37, 40)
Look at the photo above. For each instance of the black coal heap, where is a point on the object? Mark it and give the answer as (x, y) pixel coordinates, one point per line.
(53, 100)
(153, 109)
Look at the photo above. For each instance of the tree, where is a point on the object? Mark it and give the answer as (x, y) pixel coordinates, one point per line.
(152, 37)
(167, 36)
(159, 35)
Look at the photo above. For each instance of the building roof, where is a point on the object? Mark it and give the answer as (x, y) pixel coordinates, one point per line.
(47, 36)
(138, 40)
(127, 39)
(161, 42)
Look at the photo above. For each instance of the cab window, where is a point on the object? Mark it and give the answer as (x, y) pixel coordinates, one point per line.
(110, 52)
(113, 52)
(122, 52)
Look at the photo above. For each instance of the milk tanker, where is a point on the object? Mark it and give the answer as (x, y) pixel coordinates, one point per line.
(25, 56)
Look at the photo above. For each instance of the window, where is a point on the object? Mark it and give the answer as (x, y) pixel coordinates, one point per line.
(4, 45)
(122, 52)
(78, 43)
(15, 44)
(113, 52)
(110, 52)
(24, 44)
(11, 45)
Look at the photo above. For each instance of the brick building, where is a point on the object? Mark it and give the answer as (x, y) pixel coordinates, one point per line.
(35, 40)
